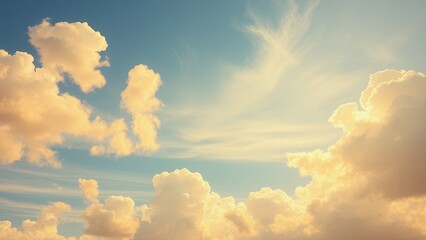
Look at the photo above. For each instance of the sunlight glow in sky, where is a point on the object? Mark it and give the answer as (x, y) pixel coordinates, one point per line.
(212, 120)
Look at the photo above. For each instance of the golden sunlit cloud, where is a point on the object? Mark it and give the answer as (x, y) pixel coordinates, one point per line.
(347, 197)
(115, 219)
(253, 97)
(71, 48)
(45, 227)
(35, 115)
(259, 111)
(139, 100)
(196, 212)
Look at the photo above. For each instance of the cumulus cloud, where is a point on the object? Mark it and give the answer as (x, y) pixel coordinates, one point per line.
(355, 191)
(368, 185)
(90, 189)
(71, 48)
(115, 219)
(35, 115)
(386, 134)
(185, 208)
(45, 227)
(10, 147)
(117, 143)
(139, 100)
(376, 168)
(331, 207)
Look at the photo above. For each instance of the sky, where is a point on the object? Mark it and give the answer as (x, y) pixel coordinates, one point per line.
(236, 120)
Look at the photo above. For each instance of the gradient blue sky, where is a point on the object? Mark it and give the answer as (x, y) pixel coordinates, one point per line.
(234, 132)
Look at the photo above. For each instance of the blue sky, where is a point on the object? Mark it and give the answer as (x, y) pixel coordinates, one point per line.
(243, 84)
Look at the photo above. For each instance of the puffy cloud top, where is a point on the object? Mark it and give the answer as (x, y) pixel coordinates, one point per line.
(72, 48)
(384, 138)
(45, 227)
(35, 115)
(139, 100)
(115, 219)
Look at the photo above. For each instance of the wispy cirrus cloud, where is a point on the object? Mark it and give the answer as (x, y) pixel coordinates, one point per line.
(256, 111)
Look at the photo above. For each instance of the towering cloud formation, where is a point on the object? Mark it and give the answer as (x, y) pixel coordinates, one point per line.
(35, 115)
(139, 100)
(376, 169)
(384, 139)
(185, 208)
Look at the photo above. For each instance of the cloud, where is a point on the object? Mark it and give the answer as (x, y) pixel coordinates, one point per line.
(117, 143)
(277, 101)
(383, 138)
(45, 227)
(185, 208)
(71, 48)
(278, 202)
(349, 197)
(365, 186)
(35, 115)
(115, 219)
(10, 147)
(375, 168)
(139, 100)
(89, 188)
(332, 206)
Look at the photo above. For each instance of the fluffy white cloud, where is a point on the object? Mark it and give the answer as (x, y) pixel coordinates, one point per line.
(185, 208)
(35, 115)
(45, 227)
(90, 189)
(384, 137)
(10, 147)
(375, 169)
(139, 100)
(71, 48)
(115, 219)
(355, 190)
(118, 142)
(366, 186)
